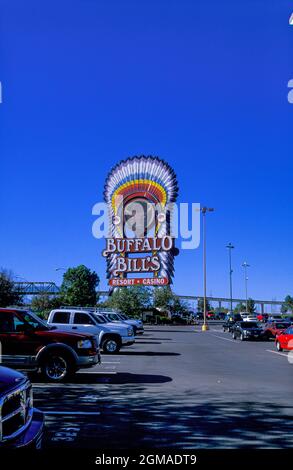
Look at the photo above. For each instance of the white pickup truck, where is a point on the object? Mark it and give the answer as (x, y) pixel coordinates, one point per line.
(111, 336)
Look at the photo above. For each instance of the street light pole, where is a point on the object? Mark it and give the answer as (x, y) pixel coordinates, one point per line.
(204, 210)
(245, 265)
(230, 248)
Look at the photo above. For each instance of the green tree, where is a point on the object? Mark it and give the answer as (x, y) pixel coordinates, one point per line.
(240, 308)
(130, 300)
(179, 307)
(163, 298)
(43, 303)
(287, 305)
(8, 294)
(251, 306)
(200, 306)
(79, 287)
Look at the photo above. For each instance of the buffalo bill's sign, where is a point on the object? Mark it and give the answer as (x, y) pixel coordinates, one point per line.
(148, 264)
(137, 245)
(140, 192)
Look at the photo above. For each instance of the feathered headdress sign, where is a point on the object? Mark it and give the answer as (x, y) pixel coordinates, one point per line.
(140, 193)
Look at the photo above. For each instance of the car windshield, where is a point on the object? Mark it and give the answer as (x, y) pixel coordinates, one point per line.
(123, 317)
(249, 324)
(112, 316)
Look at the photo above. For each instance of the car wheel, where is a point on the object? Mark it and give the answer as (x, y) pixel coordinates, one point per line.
(242, 337)
(279, 347)
(56, 367)
(111, 346)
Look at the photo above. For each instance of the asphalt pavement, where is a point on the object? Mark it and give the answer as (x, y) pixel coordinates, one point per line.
(176, 387)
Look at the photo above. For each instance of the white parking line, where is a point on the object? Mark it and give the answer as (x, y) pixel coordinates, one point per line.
(72, 385)
(225, 339)
(85, 413)
(277, 352)
(112, 362)
(96, 373)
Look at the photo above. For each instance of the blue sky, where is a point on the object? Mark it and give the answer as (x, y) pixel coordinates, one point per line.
(202, 84)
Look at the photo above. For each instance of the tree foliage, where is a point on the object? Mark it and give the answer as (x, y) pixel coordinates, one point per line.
(179, 307)
(241, 307)
(79, 287)
(251, 306)
(8, 294)
(44, 303)
(130, 300)
(163, 298)
(200, 306)
(287, 305)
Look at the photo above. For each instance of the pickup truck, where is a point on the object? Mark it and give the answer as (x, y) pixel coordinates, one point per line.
(112, 336)
(27, 342)
(21, 425)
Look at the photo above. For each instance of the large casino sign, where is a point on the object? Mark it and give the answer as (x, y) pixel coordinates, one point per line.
(140, 193)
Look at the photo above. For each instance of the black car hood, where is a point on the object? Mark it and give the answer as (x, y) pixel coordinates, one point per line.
(253, 330)
(9, 379)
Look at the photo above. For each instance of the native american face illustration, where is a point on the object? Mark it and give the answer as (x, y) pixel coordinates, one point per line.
(140, 193)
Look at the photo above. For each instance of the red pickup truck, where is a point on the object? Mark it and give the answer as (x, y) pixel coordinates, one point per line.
(27, 342)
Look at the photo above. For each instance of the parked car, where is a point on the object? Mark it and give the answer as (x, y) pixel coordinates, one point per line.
(21, 425)
(275, 317)
(262, 317)
(137, 325)
(272, 329)
(245, 330)
(285, 339)
(210, 315)
(111, 336)
(230, 320)
(118, 325)
(29, 343)
(178, 320)
(220, 315)
(249, 317)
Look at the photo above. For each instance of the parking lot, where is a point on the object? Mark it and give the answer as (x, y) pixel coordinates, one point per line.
(175, 387)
